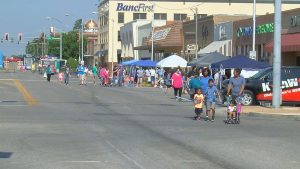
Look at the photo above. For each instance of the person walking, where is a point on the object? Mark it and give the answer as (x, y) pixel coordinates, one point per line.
(67, 75)
(198, 103)
(140, 75)
(49, 73)
(177, 83)
(210, 97)
(236, 85)
(194, 84)
(95, 73)
(204, 80)
(81, 73)
(167, 81)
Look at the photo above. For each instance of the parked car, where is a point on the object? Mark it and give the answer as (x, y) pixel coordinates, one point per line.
(259, 87)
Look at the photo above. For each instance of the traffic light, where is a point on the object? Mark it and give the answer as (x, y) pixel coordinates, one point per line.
(20, 37)
(6, 36)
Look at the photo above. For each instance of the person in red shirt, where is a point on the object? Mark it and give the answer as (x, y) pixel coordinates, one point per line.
(177, 83)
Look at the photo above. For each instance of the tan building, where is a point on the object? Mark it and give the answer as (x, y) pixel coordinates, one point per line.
(91, 33)
(114, 13)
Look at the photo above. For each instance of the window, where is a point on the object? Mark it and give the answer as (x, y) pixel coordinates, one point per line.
(200, 16)
(139, 16)
(119, 36)
(180, 17)
(160, 16)
(121, 17)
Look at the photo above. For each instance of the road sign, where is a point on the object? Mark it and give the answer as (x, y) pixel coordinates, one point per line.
(253, 55)
(52, 38)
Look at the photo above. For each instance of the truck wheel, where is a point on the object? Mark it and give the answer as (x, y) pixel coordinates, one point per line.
(248, 98)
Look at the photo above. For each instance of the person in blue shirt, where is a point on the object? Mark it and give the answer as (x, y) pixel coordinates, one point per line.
(204, 80)
(81, 73)
(194, 84)
(211, 98)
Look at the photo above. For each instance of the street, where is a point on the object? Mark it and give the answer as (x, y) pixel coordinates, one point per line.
(92, 127)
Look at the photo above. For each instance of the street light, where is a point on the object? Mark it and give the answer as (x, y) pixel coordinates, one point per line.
(60, 44)
(113, 23)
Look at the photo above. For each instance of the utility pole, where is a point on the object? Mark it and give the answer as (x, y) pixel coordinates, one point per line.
(276, 99)
(112, 53)
(81, 39)
(60, 46)
(253, 53)
(196, 34)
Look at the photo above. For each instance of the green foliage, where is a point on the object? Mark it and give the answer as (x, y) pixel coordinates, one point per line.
(77, 25)
(34, 47)
(72, 63)
(71, 46)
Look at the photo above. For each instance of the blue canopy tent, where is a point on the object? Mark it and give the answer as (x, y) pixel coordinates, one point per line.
(241, 62)
(144, 63)
(129, 63)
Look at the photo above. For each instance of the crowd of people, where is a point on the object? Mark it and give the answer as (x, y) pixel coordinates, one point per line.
(200, 84)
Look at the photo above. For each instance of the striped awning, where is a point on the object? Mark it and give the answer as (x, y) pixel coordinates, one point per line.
(289, 43)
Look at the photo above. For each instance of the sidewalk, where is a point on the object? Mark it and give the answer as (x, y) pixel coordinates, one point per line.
(270, 112)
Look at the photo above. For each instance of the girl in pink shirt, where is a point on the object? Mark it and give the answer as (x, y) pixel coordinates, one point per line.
(177, 83)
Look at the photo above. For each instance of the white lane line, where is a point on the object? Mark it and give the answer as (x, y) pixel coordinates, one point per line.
(12, 105)
(82, 161)
(125, 156)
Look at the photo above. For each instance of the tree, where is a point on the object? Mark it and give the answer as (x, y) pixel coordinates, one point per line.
(70, 43)
(34, 47)
(77, 25)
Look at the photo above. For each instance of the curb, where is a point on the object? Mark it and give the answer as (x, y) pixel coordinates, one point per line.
(255, 114)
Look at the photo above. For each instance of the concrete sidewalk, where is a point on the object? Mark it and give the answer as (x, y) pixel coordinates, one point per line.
(270, 112)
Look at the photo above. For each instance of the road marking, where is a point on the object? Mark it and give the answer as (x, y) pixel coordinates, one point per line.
(26, 95)
(20, 105)
(125, 156)
(82, 161)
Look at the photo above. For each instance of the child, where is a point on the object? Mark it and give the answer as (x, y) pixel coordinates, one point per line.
(231, 111)
(60, 77)
(210, 97)
(198, 100)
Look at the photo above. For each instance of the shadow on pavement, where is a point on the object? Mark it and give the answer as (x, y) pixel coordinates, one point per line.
(5, 154)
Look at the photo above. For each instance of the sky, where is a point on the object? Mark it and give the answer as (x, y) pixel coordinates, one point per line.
(29, 17)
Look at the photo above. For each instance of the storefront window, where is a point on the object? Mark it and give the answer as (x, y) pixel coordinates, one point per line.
(139, 16)
(180, 17)
(200, 16)
(121, 17)
(160, 16)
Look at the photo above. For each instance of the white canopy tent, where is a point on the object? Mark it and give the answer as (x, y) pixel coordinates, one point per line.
(172, 61)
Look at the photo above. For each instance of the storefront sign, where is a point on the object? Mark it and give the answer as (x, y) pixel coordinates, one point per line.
(260, 29)
(161, 34)
(135, 8)
(295, 21)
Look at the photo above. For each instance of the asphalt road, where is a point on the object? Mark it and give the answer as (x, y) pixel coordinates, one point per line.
(92, 127)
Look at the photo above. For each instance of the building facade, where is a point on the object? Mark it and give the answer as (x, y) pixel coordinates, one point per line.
(133, 35)
(242, 37)
(113, 14)
(214, 35)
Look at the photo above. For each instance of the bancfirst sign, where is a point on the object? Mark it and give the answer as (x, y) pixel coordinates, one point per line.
(135, 8)
(260, 29)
